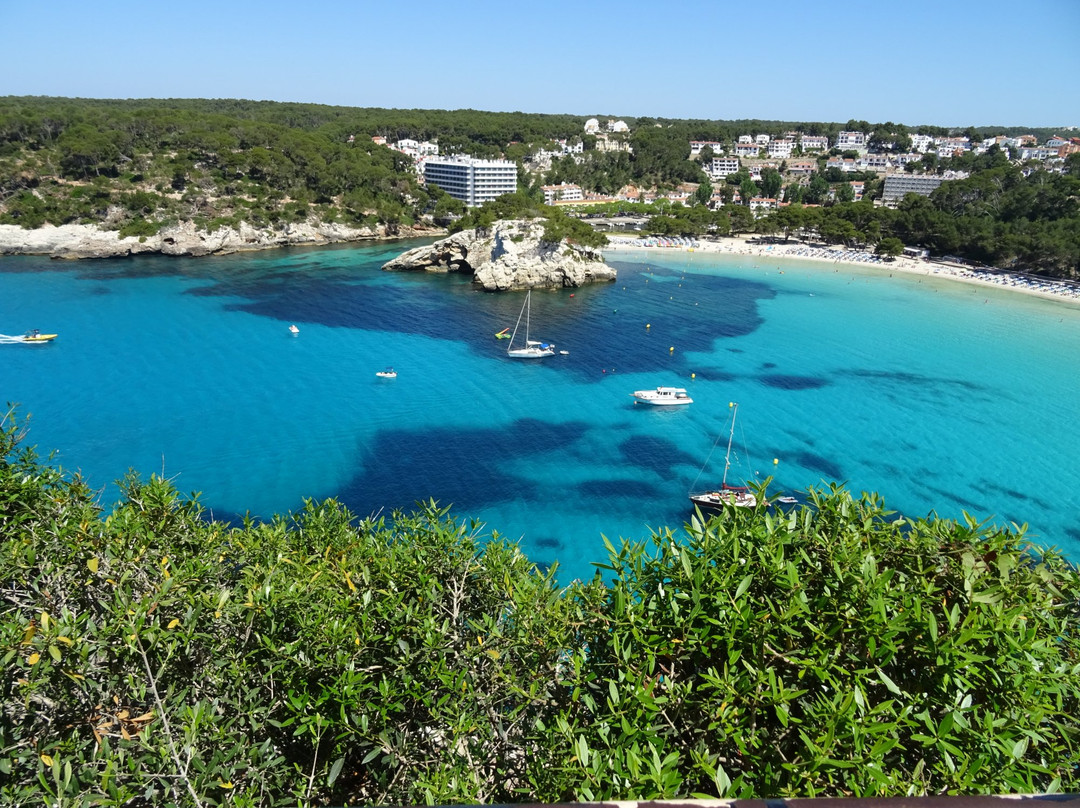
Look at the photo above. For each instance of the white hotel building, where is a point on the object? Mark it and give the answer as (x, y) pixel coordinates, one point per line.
(471, 180)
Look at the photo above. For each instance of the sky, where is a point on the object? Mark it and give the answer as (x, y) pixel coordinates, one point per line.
(942, 63)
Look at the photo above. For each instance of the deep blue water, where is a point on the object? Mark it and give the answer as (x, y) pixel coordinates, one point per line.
(941, 396)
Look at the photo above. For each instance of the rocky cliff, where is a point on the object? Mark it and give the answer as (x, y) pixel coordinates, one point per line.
(90, 241)
(508, 255)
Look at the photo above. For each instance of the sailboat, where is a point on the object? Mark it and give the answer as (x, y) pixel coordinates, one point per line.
(716, 499)
(534, 349)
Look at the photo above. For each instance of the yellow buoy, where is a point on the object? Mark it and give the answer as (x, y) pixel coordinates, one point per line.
(693, 375)
(648, 325)
(776, 461)
(671, 349)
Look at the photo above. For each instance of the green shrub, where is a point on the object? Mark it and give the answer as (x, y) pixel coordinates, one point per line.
(153, 656)
(140, 227)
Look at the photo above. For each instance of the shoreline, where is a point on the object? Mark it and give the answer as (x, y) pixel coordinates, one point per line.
(90, 241)
(801, 251)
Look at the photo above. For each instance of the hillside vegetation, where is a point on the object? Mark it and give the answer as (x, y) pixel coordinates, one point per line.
(137, 165)
(152, 656)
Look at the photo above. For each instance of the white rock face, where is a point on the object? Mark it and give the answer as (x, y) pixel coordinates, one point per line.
(508, 255)
(90, 241)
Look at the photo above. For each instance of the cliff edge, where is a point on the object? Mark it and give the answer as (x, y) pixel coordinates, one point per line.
(510, 254)
(91, 241)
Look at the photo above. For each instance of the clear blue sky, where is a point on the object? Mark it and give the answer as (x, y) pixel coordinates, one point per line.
(916, 62)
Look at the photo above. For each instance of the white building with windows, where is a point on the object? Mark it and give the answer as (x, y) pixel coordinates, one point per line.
(563, 192)
(814, 143)
(722, 167)
(471, 180)
(781, 149)
(846, 141)
(921, 143)
(897, 185)
(697, 145)
(747, 149)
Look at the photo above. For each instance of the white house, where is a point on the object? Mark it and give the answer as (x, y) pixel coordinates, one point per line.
(814, 143)
(697, 145)
(921, 143)
(563, 192)
(747, 149)
(1038, 153)
(592, 126)
(760, 205)
(845, 164)
(874, 162)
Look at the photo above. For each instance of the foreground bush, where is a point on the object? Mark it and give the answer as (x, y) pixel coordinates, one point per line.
(153, 657)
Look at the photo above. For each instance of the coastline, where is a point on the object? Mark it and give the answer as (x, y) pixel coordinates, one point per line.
(79, 241)
(737, 245)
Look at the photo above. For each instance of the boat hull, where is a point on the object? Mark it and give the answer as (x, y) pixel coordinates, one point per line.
(530, 353)
(716, 501)
(663, 397)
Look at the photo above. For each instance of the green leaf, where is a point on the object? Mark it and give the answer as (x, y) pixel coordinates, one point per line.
(889, 683)
(744, 584)
(1020, 748)
(335, 771)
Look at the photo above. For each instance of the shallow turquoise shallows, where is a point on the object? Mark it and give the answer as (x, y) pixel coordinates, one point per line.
(943, 397)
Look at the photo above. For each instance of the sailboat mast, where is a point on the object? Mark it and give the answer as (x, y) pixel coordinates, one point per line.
(731, 436)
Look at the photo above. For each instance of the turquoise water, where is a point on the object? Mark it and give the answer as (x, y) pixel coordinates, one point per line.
(941, 396)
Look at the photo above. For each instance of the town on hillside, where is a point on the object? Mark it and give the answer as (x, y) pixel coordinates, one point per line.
(911, 163)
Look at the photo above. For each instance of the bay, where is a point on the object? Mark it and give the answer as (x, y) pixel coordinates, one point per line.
(944, 397)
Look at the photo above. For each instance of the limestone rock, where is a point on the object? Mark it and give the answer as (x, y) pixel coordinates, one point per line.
(511, 254)
(90, 241)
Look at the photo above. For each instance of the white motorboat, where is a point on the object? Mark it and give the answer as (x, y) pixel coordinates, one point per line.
(663, 396)
(534, 349)
(389, 373)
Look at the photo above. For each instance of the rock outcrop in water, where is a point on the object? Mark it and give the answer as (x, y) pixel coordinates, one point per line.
(510, 254)
(90, 241)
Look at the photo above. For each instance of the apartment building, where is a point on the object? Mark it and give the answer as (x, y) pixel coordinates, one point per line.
(723, 166)
(471, 180)
(898, 185)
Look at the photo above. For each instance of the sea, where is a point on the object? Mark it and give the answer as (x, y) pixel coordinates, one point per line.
(945, 398)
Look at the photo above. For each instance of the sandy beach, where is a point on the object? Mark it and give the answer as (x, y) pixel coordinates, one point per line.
(1055, 290)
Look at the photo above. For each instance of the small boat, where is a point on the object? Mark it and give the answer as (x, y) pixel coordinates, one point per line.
(534, 349)
(294, 330)
(737, 496)
(389, 373)
(34, 337)
(663, 396)
(504, 334)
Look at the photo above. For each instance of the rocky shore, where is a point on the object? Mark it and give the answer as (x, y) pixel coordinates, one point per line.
(90, 241)
(510, 254)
